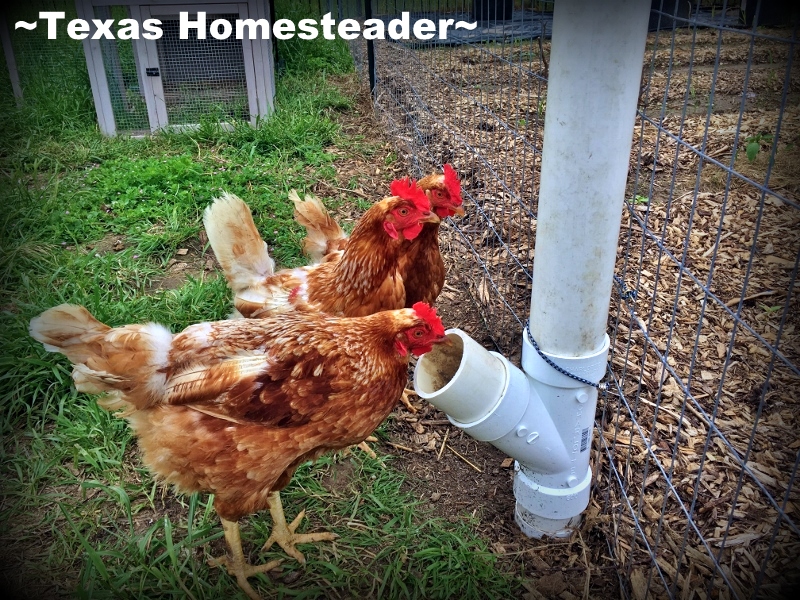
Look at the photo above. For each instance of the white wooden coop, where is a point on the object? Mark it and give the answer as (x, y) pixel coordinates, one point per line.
(142, 85)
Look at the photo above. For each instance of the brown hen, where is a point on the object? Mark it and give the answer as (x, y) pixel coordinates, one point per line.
(234, 407)
(421, 264)
(363, 280)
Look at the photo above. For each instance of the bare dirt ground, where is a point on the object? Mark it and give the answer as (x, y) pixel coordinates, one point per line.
(740, 244)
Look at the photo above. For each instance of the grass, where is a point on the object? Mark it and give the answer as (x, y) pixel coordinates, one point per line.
(80, 516)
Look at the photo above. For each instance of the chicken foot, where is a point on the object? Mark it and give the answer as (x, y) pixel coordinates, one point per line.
(406, 402)
(364, 447)
(284, 535)
(237, 566)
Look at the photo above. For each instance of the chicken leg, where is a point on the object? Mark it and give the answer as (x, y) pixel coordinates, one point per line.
(237, 566)
(406, 402)
(364, 447)
(284, 535)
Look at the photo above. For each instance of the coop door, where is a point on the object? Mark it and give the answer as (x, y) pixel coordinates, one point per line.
(189, 81)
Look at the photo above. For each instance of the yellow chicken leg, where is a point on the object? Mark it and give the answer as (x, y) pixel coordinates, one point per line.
(237, 566)
(284, 535)
(364, 447)
(406, 402)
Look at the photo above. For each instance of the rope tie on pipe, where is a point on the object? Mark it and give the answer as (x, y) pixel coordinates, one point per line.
(624, 294)
(600, 385)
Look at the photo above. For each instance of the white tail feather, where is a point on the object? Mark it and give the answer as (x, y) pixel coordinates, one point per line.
(323, 234)
(66, 328)
(238, 246)
(128, 360)
(94, 382)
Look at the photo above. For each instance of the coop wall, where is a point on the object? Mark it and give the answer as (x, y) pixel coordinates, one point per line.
(697, 452)
(198, 79)
(202, 78)
(125, 85)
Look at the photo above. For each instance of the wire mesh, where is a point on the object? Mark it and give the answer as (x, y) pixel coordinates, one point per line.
(202, 77)
(698, 433)
(478, 104)
(122, 73)
(52, 73)
(705, 364)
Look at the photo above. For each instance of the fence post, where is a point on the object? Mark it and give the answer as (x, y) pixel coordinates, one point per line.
(11, 62)
(274, 39)
(370, 50)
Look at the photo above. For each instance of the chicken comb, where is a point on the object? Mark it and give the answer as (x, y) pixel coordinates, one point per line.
(407, 189)
(452, 184)
(428, 314)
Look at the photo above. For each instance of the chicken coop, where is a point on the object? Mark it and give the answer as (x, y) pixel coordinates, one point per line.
(169, 82)
(144, 85)
(696, 459)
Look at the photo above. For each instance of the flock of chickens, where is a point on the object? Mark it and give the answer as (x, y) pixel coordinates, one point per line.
(318, 361)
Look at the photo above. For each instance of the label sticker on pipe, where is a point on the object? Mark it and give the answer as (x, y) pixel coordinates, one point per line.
(584, 439)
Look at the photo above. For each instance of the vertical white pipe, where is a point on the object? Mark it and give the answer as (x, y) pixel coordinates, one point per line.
(543, 418)
(595, 74)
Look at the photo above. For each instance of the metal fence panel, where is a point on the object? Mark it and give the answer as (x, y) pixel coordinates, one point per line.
(698, 431)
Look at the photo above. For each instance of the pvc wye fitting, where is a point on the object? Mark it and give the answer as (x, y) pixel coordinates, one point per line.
(551, 504)
(492, 400)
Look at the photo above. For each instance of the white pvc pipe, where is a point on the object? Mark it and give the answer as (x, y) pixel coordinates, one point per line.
(541, 417)
(593, 86)
(466, 380)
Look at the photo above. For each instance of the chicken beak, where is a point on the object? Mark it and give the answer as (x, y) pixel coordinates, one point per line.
(430, 217)
(446, 341)
(459, 210)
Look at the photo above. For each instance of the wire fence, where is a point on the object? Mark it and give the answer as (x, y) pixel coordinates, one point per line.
(51, 75)
(698, 433)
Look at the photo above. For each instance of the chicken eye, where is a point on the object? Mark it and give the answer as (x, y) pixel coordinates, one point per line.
(418, 333)
(403, 212)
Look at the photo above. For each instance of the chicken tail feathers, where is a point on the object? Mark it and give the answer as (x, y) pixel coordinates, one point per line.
(62, 328)
(127, 361)
(239, 248)
(323, 234)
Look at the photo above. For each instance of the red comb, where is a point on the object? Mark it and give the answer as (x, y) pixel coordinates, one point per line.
(452, 184)
(428, 314)
(407, 189)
